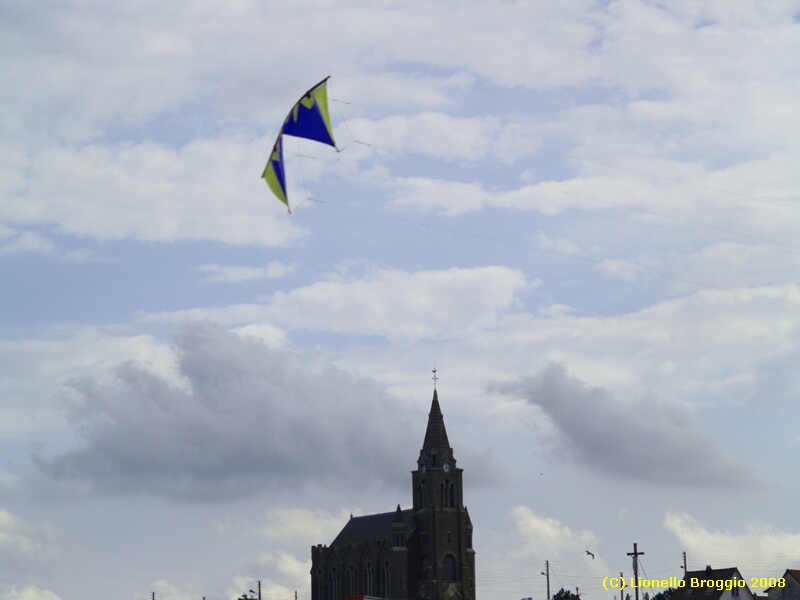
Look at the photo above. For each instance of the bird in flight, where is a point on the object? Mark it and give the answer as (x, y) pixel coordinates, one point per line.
(590, 554)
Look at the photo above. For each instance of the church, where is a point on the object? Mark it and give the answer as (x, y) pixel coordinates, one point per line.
(421, 553)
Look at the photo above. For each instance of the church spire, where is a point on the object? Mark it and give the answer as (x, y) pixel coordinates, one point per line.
(436, 434)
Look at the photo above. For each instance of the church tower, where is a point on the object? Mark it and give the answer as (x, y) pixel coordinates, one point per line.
(444, 554)
(420, 553)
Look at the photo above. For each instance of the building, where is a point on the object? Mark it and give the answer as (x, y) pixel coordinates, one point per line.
(421, 553)
(790, 590)
(705, 585)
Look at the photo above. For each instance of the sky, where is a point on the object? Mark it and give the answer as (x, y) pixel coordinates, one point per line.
(583, 214)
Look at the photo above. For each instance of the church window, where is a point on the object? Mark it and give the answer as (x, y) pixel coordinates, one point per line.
(387, 581)
(433, 459)
(424, 568)
(398, 539)
(351, 581)
(448, 536)
(469, 539)
(318, 584)
(423, 494)
(447, 496)
(334, 586)
(449, 568)
(368, 574)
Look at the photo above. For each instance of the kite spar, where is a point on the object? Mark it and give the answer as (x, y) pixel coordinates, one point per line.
(309, 118)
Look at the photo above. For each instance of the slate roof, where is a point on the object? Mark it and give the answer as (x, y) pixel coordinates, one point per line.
(705, 593)
(370, 528)
(436, 434)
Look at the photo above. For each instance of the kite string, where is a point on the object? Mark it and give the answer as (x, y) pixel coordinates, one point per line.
(303, 178)
(582, 159)
(353, 139)
(774, 245)
(558, 190)
(605, 263)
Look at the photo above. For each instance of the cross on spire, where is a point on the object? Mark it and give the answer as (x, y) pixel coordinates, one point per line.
(435, 378)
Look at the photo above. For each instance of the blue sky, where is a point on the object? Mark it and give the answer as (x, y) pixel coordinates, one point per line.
(583, 213)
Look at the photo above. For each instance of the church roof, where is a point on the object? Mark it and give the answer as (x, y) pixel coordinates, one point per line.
(369, 528)
(436, 434)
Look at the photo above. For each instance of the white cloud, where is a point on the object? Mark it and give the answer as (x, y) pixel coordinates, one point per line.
(233, 274)
(290, 574)
(25, 241)
(699, 336)
(270, 335)
(403, 305)
(33, 371)
(428, 134)
(24, 545)
(31, 592)
(448, 197)
(393, 303)
(305, 526)
(760, 551)
(207, 189)
(546, 536)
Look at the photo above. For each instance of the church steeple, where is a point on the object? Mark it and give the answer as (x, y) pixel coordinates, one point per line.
(436, 434)
(421, 553)
(443, 532)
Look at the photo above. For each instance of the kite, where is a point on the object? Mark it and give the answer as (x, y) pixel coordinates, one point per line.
(309, 118)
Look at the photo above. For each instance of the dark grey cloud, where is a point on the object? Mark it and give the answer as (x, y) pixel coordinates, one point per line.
(252, 420)
(645, 439)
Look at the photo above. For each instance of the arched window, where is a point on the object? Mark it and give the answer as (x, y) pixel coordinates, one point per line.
(368, 575)
(447, 494)
(387, 581)
(351, 581)
(398, 539)
(319, 586)
(424, 568)
(449, 568)
(334, 587)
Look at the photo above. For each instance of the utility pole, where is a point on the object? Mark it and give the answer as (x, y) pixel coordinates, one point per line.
(636, 554)
(684, 563)
(259, 590)
(547, 574)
